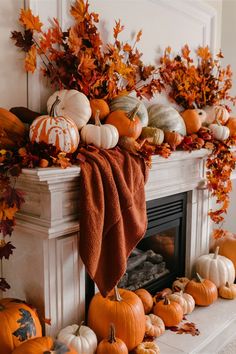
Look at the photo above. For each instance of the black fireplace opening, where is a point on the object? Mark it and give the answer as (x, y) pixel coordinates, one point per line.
(160, 256)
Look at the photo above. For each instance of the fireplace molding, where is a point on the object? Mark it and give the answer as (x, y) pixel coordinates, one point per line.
(46, 268)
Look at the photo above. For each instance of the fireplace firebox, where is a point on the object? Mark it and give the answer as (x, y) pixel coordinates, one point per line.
(160, 256)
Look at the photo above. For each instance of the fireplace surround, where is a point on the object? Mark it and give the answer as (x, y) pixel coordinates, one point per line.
(46, 268)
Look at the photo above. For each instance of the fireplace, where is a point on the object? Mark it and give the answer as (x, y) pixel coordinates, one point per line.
(160, 256)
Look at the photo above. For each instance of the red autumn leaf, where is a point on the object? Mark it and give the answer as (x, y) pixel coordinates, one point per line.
(23, 41)
(30, 21)
(4, 284)
(13, 196)
(6, 249)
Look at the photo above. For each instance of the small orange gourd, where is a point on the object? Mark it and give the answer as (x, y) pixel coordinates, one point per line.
(112, 345)
(98, 104)
(11, 129)
(227, 291)
(192, 119)
(146, 299)
(174, 139)
(170, 312)
(128, 124)
(203, 291)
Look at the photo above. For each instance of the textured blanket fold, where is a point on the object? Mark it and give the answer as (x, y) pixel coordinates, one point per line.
(113, 213)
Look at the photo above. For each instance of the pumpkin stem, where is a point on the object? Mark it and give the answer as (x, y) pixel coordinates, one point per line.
(53, 108)
(96, 118)
(166, 301)
(227, 284)
(112, 334)
(199, 278)
(216, 252)
(134, 111)
(117, 294)
(78, 329)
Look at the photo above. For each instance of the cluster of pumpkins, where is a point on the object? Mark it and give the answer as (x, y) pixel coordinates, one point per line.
(70, 113)
(118, 323)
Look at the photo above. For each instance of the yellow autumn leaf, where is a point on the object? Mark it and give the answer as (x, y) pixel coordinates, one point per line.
(30, 59)
(30, 21)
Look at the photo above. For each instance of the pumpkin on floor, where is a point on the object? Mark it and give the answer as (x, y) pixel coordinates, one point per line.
(12, 130)
(146, 299)
(216, 268)
(227, 246)
(128, 103)
(192, 119)
(98, 104)
(43, 345)
(166, 118)
(227, 291)
(18, 323)
(203, 291)
(104, 136)
(112, 345)
(56, 130)
(125, 310)
(179, 284)
(154, 325)
(81, 338)
(127, 123)
(185, 300)
(73, 104)
(147, 348)
(170, 312)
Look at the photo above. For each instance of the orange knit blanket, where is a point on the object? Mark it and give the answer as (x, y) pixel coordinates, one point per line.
(113, 212)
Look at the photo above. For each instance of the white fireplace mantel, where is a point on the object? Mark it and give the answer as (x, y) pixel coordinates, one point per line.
(46, 268)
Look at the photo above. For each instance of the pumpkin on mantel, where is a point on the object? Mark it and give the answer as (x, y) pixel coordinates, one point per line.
(12, 130)
(18, 323)
(56, 130)
(193, 119)
(216, 268)
(73, 105)
(43, 345)
(231, 124)
(125, 310)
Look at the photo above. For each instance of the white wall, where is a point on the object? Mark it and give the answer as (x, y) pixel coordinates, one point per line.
(13, 77)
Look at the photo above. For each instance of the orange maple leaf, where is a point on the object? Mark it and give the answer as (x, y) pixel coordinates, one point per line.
(79, 10)
(74, 41)
(117, 29)
(30, 59)
(204, 53)
(86, 64)
(9, 213)
(30, 21)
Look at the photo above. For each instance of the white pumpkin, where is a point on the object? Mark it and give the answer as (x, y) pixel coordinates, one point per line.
(216, 268)
(154, 325)
(73, 104)
(104, 136)
(128, 103)
(185, 300)
(56, 130)
(166, 118)
(81, 338)
(219, 132)
(216, 112)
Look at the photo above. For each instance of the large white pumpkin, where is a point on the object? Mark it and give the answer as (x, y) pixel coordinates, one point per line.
(73, 104)
(166, 118)
(216, 268)
(80, 338)
(56, 130)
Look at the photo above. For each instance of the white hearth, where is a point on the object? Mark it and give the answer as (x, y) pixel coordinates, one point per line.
(46, 269)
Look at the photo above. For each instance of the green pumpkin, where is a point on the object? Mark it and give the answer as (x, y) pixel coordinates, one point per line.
(127, 104)
(166, 118)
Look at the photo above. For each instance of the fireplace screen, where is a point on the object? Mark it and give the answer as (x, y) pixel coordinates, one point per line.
(160, 257)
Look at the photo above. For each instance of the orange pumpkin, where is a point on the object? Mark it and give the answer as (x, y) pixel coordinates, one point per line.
(125, 310)
(128, 124)
(98, 104)
(227, 246)
(146, 299)
(18, 323)
(203, 291)
(231, 124)
(43, 345)
(112, 345)
(56, 130)
(11, 128)
(174, 139)
(169, 311)
(192, 120)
